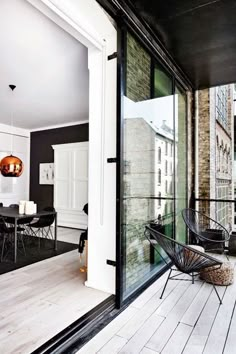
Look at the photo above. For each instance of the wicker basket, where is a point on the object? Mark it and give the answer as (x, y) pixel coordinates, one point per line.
(223, 275)
(192, 256)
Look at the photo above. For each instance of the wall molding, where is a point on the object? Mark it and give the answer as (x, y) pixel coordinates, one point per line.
(56, 126)
(8, 129)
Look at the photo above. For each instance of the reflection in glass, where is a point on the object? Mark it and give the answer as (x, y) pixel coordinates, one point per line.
(148, 137)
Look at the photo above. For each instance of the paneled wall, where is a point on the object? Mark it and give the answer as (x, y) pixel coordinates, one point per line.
(41, 152)
(14, 189)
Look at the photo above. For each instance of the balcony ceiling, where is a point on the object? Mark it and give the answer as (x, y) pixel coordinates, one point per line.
(199, 34)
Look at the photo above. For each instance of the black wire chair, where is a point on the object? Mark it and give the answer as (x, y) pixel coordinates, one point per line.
(24, 221)
(8, 234)
(207, 232)
(42, 227)
(185, 259)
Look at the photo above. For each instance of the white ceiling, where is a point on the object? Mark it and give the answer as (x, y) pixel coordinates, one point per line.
(47, 65)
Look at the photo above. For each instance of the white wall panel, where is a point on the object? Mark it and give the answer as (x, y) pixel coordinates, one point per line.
(14, 189)
(71, 184)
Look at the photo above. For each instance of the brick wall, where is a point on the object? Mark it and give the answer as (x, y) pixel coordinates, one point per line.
(204, 147)
(138, 71)
(215, 170)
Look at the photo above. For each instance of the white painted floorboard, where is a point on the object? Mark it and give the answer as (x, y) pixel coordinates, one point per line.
(138, 341)
(217, 338)
(113, 346)
(147, 351)
(188, 320)
(41, 299)
(178, 340)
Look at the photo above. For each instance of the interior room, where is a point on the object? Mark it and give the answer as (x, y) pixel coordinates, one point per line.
(44, 122)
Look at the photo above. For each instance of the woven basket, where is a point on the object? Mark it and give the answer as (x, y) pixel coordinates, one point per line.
(219, 276)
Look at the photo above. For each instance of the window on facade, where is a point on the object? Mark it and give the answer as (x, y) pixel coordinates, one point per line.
(159, 200)
(126, 166)
(159, 155)
(171, 150)
(222, 208)
(159, 176)
(222, 105)
(171, 169)
(171, 187)
(166, 187)
(126, 188)
(166, 148)
(166, 168)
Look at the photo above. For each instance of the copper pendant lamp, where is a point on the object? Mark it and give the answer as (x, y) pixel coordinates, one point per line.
(11, 166)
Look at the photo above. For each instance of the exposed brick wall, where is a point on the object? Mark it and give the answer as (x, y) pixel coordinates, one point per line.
(138, 82)
(204, 146)
(215, 168)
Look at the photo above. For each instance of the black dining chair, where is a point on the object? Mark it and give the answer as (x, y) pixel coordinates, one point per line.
(24, 221)
(184, 259)
(7, 235)
(42, 227)
(8, 219)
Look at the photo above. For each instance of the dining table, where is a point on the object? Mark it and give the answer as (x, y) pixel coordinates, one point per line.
(14, 214)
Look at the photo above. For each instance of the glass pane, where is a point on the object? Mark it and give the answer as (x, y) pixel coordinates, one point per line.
(147, 157)
(180, 161)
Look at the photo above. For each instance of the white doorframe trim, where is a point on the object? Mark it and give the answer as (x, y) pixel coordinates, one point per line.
(99, 36)
(62, 14)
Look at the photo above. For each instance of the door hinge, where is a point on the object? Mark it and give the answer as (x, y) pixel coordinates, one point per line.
(112, 160)
(112, 56)
(112, 263)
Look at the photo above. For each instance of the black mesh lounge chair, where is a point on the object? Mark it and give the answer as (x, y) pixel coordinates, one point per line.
(185, 259)
(207, 232)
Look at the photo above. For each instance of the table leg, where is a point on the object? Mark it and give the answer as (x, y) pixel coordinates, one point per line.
(15, 241)
(55, 232)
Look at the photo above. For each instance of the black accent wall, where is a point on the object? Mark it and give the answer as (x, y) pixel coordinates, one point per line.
(41, 152)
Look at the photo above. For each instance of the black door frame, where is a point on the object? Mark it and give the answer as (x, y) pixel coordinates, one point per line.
(122, 27)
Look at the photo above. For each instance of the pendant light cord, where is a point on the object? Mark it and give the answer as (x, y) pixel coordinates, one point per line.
(12, 87)
(12, 128)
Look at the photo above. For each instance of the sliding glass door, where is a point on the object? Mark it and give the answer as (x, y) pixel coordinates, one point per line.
(151, 133)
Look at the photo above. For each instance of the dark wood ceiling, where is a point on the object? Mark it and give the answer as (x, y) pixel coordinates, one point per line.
(199, 34)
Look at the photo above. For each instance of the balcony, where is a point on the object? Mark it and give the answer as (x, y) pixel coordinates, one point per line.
(187, 320)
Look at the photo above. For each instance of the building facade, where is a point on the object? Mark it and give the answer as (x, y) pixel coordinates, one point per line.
(214, 156)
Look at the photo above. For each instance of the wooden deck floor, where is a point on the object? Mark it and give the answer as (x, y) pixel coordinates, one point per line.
(187, 320)
(40, 300)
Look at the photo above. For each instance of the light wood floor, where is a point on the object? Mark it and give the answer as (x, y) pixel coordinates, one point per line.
(187, 320)
(40, 300)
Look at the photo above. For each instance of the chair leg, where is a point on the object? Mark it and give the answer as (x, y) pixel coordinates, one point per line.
(217, 294)
(3, 246)
(166, 284)
(22, 242)
(192, 278)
